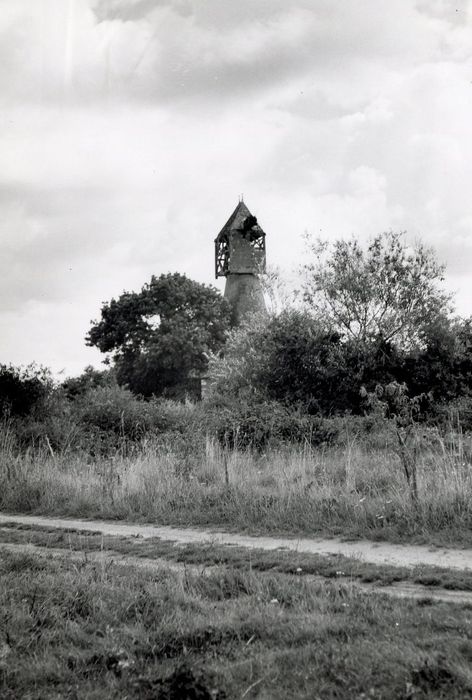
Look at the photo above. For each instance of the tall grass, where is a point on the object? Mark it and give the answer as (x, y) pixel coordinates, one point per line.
(354, 489)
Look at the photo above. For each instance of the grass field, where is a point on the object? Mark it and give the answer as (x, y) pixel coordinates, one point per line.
(356, 490)
(334, 567)
(89, 630)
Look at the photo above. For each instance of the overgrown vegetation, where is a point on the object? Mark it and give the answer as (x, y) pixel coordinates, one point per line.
(349, 412)
(355, 486)
(24, 391)
(88, 630)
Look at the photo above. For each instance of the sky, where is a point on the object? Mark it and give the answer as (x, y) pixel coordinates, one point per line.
(129, 128)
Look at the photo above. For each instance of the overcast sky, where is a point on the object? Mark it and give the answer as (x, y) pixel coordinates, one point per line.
(130, 127)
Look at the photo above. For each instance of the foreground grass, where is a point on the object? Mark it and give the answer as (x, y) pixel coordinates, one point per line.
(353, 491)
(336, 567)
(90, 631)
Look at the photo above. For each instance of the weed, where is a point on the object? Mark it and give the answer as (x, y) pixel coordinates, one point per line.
(356, 489)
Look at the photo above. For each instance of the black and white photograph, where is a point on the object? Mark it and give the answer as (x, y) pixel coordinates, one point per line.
(235, 349)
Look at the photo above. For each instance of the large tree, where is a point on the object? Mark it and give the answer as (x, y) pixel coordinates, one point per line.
(296, 360)
(386, 292)
(160, 338)
(374, 315)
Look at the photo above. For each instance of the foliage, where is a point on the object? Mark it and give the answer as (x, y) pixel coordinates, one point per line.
(235, 373)
(117, 410)
(23, 390)
(456, 415)
(393, 401)
(160, 337)
(279, 292)
(298, 361)
(387, 293)
(111, 418)
(353, 487)
(302, 363)
(261, 424)
(113, 410)
(443, 366)
(103, 420)
(90, 378)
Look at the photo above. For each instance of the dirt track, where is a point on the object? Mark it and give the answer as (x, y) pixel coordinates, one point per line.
(401, 589)
(372, 552)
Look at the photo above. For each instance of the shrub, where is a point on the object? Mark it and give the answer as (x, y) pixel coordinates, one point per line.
(23, 390)
(112, 409)
(258, 425)
(101, 420)
(114, 416)
(296, 360)
(90, 378)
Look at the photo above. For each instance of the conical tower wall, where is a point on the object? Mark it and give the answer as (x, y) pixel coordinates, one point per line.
(245, 294)
(240, 257)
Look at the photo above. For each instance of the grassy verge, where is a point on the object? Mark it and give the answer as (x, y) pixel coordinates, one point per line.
(90, 631)
(353, 491)
(331, 567)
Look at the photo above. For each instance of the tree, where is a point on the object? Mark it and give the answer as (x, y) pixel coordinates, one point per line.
(443, 366)
(295, 360)
(387, 293)
(161, 337)
(374, 316)
(303, 363)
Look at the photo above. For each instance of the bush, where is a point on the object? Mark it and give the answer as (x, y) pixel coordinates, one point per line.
(90, 378)
(100, 421)
(112, 409)
(23, 390)
(258, 425)
(115, 417)
(295, 360)
(455, 415)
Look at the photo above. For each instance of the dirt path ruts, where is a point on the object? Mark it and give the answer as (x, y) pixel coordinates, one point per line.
(372, 552)
(397, 590)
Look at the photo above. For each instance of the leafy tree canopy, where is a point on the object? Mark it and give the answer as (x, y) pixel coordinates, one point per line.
(296, 360)
(385, 293)
(161, 336)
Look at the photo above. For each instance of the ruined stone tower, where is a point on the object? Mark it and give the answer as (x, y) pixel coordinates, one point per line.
(240, 257)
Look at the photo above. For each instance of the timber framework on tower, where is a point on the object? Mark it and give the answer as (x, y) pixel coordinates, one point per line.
(250, 231)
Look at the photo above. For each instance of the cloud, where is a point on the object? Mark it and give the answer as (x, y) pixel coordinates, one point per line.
(130, 11)
(187, 50)
(128, 129)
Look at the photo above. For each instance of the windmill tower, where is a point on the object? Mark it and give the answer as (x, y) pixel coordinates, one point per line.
(240, 257)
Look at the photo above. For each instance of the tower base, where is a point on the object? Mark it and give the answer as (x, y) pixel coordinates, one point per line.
(244, 292)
